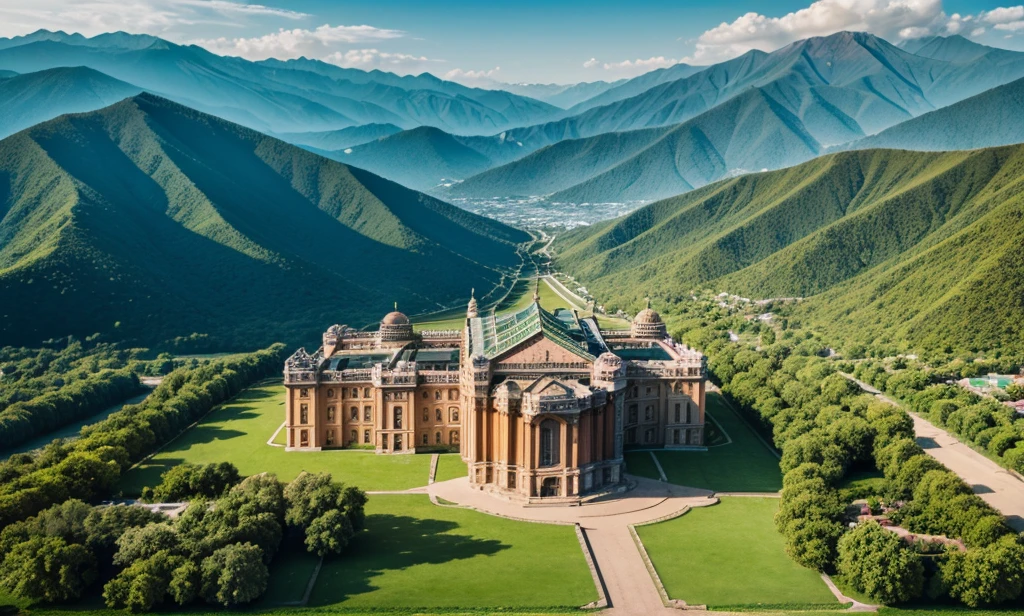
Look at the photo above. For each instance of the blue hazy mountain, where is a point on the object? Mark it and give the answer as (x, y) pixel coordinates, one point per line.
(32, 98)
(842, 87)
(747, 133)
(629, 88)
(428, 158)
(988, 119)
(342, 138)
(273, 98)
(834, 90)
(560, 95)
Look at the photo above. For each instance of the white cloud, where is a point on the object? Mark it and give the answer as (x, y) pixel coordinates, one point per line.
(886, 18)
(1013, 26)
(1003, 15)
(977, 31)
(473, 78)
(297, 42)
(92, 17)
(632, 68)
(369, 59)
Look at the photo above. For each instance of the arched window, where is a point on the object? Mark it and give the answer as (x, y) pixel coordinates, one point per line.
(398, 418)
(303, 413)
(366, 392)
(437, 438)
(425, 438)
(549, 431)
(355, 413)
(438, 415)
(426, 395)
(437, 394)
(426, 415)
(455, 414)
(366, 436)
(330, 393)
(453, 437)
(330, 413)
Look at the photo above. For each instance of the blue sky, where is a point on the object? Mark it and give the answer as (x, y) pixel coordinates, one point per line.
(526, 40)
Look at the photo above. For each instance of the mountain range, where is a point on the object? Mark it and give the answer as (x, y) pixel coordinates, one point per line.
(152, 220)
(758, 111)
(893, 247)
(294, 96)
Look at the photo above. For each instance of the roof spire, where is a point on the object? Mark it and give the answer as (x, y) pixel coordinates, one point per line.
(396, 306)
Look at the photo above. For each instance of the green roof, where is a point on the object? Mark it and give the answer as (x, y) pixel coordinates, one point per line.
(492, 336)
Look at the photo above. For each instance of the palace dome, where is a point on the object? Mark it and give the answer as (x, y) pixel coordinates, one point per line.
(395, 318)
(648, 324)
(647, 315)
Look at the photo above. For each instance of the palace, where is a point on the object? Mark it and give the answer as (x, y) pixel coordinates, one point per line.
(540, 405)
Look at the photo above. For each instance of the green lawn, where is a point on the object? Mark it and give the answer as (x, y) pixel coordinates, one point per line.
(414, 554)
(237, 432)
(744, 465)
(450, 466)
(641, 464)
(729, 554)
(289, 573)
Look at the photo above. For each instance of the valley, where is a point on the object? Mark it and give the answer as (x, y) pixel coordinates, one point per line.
(343, 318)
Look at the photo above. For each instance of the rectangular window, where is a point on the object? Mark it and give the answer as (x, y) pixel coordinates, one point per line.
(425, 438)
(303, 393)
(303, 414)
(304, 438)
(367, 413)
(366, 436)
(398, 418)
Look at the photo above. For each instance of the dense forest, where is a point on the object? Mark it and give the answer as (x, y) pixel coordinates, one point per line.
(917, 251)
(827, 430)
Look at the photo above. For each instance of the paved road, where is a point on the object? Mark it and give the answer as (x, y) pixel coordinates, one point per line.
(993, 483)
(629, 587)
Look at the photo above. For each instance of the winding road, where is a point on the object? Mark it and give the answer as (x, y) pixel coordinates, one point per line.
(997, 486)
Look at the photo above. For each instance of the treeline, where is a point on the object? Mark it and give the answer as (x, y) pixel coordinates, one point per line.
(77, 400)
(47, 388)
(90, 467)
(983, 422)
(826, 427)
(217, 551)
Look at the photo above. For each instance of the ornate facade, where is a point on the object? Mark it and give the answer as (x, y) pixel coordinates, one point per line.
(541, 406)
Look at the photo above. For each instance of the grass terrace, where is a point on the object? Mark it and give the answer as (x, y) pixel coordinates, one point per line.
(744, 464)
(416, 555)
(729, 555)
(238, 431)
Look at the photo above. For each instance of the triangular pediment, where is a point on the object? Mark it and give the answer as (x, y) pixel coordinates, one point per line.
(543, 349)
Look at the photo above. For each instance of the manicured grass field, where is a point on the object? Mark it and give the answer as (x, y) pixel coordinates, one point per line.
(237, 432)
(744, 465)
(729, 554)
(450, 466)
(289, 574)
(414, 554)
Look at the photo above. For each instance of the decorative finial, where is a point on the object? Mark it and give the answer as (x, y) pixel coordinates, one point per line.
(472, 293)
(396, 306)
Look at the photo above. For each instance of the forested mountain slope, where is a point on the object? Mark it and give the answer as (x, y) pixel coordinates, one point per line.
(920, 246)
(149, 220)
